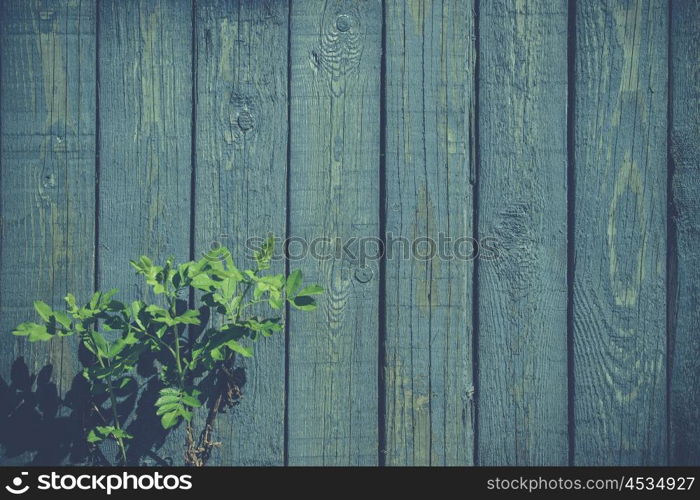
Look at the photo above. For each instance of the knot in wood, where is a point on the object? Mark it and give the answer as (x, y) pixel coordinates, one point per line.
(343, 23)
(364, 274)
(245, 120)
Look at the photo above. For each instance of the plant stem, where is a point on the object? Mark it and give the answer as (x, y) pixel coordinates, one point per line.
(113, 403)
(173, 312)
(240, 304)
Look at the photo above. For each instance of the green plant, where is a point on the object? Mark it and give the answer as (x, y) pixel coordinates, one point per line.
(195, 347)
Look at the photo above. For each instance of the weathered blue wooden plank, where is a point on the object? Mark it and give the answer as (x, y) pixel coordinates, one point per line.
(145, 106)
(430, 61)
(334, 192)
(522, 381)
(47, 200)
(684, 355)
(241, 168)
(619, 295)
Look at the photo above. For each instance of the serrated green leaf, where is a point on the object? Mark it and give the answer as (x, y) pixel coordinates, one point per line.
(125, 382)
(92, 437)
(310, 290)
(70, 300)
(106, 298)
(62, 319)
(167, 399)
(100, 342)
(121, 434)
(203, 282)
(276, 301)
(39, 334)
(260, 288)
(191, 401)
(294, 282)
(189, 317)
(216, 354)
(43, 309)
(167, 408)
(168, 420)
(237, 347)
(95, 300)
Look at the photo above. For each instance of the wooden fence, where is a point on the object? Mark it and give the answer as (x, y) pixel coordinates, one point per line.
(562, 134)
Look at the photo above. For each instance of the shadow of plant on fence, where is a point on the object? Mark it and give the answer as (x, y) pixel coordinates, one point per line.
(39, 427)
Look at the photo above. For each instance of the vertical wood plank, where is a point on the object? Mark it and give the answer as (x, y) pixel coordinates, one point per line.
(684, 355)
(47, 198)
(145, 112)
(522, 391)
(619, 296)
(334, 193)
(430, 61)
(241, 168)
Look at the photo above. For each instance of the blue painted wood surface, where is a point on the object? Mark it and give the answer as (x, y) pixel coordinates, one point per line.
(47, 210)
(564, 131)
(619, 288)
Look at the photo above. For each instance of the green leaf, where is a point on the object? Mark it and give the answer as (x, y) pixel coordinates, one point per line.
(237, 347)
(92, 437)
(121, 433)
(168, 420)
(167, 408)
(95, 300)
(303, 303)
(33, 331)
(276, 301)
(310, 290)
(191, 401)
(70, 301)
(228, 287)
(260, 288)
(203, 282)
(106, 298)
(219, 299)
(62, 318)
(216, 354)
(294, 282)
(189, 317)
(168, 399)
(100, 342)
(43, 309)
(125, 382)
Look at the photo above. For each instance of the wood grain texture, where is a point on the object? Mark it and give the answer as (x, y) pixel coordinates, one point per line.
(684, 355)
(47, 103)
(522, 392)
(430, 95)
(619, 301)
(334, 193)
(241, 168)
(145, 106)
